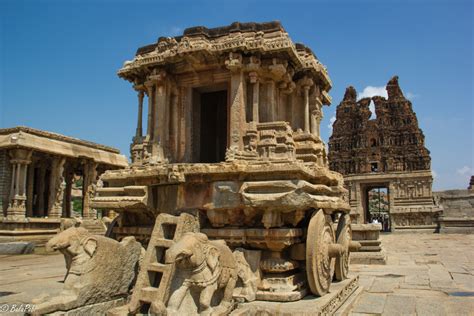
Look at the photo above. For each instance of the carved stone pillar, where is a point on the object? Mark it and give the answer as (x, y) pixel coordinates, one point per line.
(255, 95)
(56, 188)
(392, 192)
(30, 189)
(68, 178)
(306, 84)
(237, 109)
(271, 99)
(20, 159)
(306, 109)
(150, 87)
(158, 129)
(175, 115)
(139, 131)
(89, 182)
(41, 187)
(316, 116)
(161, 128)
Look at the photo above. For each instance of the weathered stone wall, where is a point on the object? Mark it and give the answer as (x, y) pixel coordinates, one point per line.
(410, 198)
(4, 180)
(458, 210)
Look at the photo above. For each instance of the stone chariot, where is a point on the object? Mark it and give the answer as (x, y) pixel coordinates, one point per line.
(232, 152)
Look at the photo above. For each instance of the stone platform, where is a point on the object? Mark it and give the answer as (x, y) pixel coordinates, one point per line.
(337, 302)
(35, 230)
(371, 252)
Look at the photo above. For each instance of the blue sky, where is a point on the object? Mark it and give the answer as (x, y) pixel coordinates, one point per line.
(58, 61)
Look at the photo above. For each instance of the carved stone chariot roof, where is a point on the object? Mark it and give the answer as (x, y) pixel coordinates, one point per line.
(265, 39)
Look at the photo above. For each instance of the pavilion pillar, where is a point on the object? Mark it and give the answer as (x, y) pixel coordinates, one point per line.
(306, 109)
(68, 178)
(271, 99)
(316, 116)
(316, 113)
(237, 108)
(41, 188)
(56, 188)
(255, 96)
(88, 187)
(20, 159)
(174, 118)
(161, 128)
(139, 131)
(30, 190)
(306, 84)
(150, 88)
(157, 131)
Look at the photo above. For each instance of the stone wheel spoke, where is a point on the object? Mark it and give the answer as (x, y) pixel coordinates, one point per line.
(344, 237)
(319, 266)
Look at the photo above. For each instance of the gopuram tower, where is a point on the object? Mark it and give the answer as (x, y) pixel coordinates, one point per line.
(385, 152)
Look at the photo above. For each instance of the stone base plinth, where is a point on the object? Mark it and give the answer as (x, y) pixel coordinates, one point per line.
(371, 251)
(336, 302)
(418, 229)
(35, 230)
(366, 257)
(458, 211)
(456, 225)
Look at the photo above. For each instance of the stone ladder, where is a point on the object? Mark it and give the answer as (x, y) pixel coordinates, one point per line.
(154, 279)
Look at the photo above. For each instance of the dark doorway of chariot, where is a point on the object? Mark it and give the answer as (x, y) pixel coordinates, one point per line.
(377, 206)
(213, 129)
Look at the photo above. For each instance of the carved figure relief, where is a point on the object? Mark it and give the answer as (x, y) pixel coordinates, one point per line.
(205, 266)
(98, 269)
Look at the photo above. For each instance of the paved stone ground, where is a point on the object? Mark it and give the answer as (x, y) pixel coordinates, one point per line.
(25, 277)
(425, 274)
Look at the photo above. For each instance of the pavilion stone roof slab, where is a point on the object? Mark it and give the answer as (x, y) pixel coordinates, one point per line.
(267, 39)
(57, 144)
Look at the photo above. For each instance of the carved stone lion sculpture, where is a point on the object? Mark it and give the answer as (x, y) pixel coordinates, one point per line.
(99, 269)
(202, 266)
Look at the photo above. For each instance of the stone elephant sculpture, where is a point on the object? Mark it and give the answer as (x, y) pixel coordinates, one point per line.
(99, 269)
(204, 266)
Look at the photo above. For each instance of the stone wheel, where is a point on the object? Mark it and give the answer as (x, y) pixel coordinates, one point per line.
(319, 265)
(344, 237)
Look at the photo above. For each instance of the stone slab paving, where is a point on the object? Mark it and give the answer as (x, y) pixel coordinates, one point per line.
(25, 277)
(425, 274)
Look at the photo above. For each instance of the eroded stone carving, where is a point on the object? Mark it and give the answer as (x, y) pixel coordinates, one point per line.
(99, 269)
(206, 267)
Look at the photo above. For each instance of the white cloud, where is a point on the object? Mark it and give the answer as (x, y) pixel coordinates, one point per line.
(331, 121)
(411, 96)
(372, 109)
(435, 174)
(371, 91)
(464, 171)
(175, 31)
